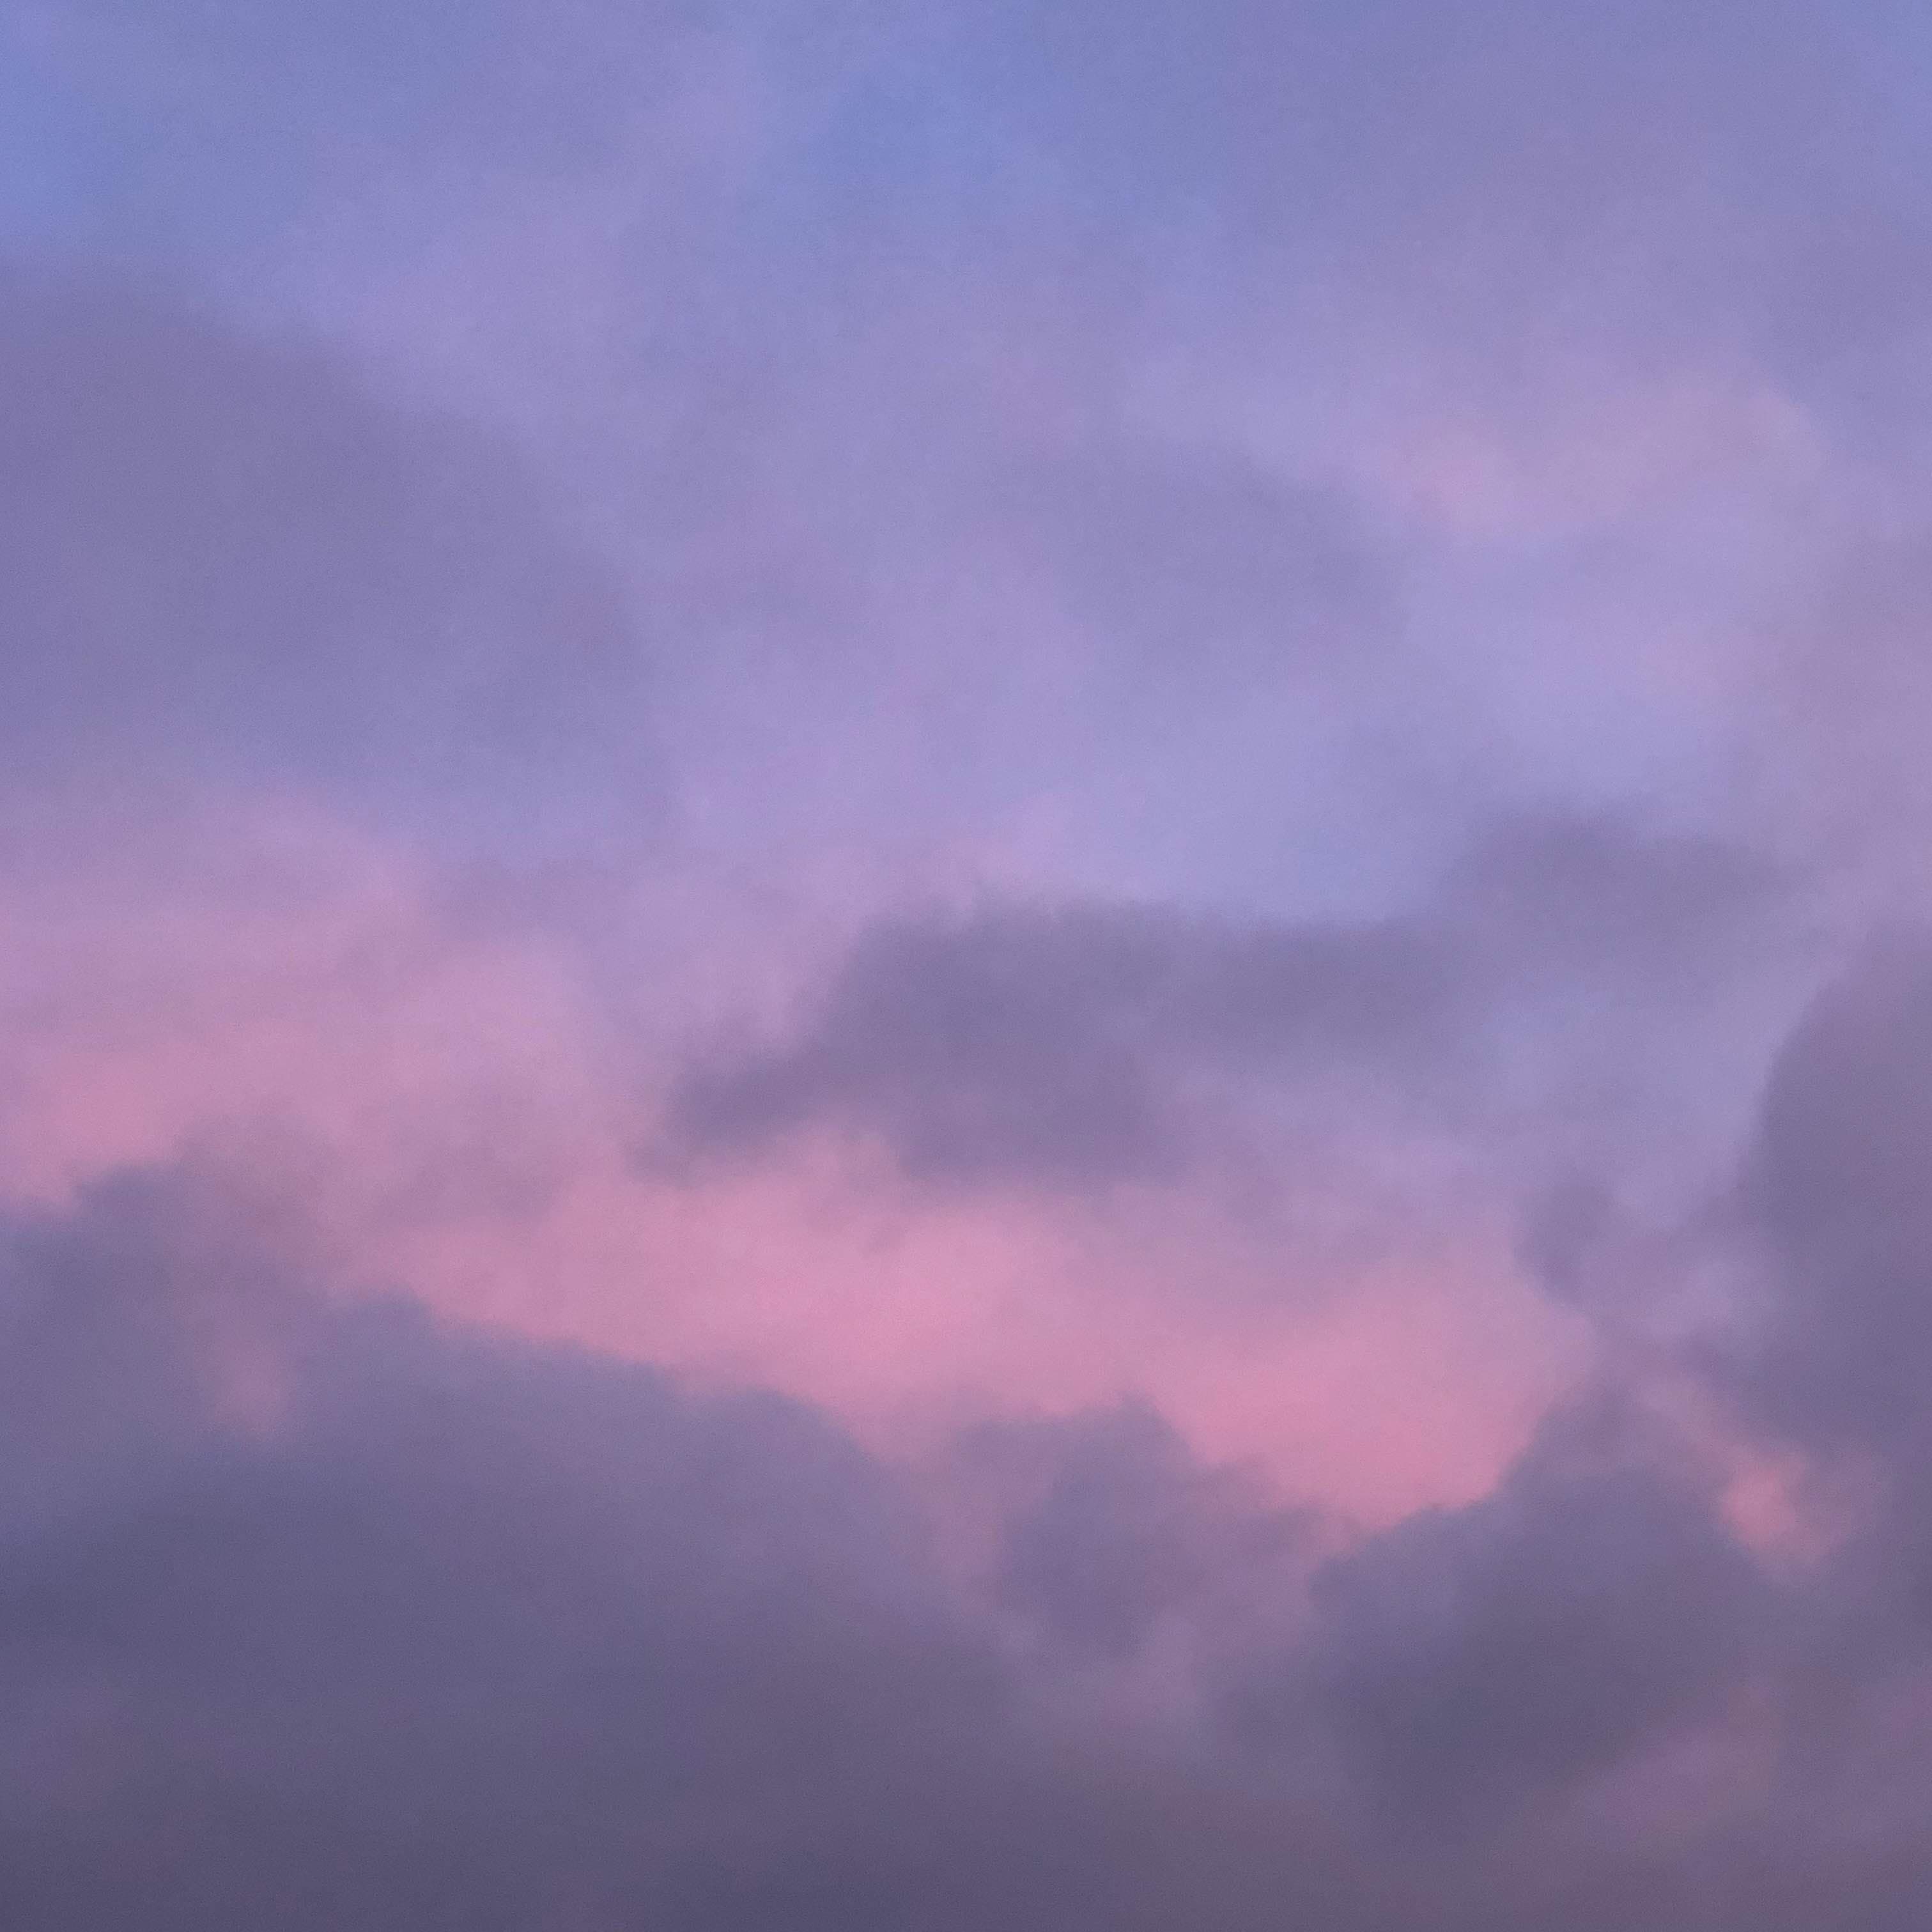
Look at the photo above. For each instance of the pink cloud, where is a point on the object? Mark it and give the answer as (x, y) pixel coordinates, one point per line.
(436, 1095)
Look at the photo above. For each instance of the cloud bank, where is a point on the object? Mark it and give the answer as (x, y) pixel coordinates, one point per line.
(964, 966)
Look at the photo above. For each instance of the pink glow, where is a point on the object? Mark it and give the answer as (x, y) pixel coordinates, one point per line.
(440, 1097)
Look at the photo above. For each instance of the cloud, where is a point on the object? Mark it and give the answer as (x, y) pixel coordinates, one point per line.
(1108, 1530)
(1494, 1656)
(460, 1629)
(1216, 582)
(1835, 1184)
(465, 1629)
(1056, 1044)
(231, 562)
(1025, 1043)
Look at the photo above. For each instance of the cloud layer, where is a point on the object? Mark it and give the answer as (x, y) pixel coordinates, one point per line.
(965, 966)
(328, 1610)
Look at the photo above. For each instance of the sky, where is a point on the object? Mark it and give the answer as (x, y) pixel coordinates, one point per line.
(965, 966)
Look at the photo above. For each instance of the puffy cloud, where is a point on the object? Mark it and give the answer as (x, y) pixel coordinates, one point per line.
(1496, 1655)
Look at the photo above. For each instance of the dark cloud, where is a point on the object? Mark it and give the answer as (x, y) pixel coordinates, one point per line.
(1836, 1183)
(1480, 1660)
(1066, 1044)
(1837, 1342)
(226, 556)
(1108, 1526)
(320, 1610)
(452, 1630)
(1581, 895)
(1042, 1043)
(455, 1632)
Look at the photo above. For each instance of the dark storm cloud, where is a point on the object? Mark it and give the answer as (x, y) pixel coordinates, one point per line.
(225, 557)
(1052, 1044)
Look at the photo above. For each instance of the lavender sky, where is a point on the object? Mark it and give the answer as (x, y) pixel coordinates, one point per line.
(966, 967)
